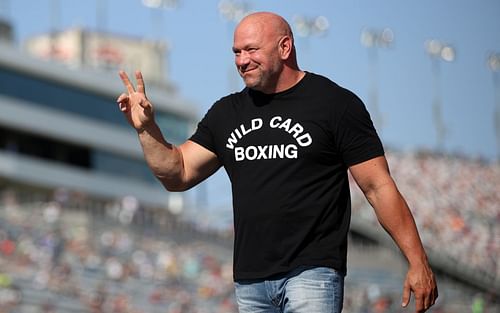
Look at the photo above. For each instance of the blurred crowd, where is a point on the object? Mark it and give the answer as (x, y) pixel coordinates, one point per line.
(56, 258)
(455, 202)
(66, 253)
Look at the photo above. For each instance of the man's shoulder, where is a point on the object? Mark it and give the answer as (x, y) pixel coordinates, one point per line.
(232, 97)
(326, 84)
(229, 100)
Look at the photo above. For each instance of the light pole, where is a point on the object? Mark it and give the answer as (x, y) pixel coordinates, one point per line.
(307, 27)
(438, 51)
(233, 12)
(157, 7)
(4, 9)
(6, 33)
(494, 66)
(373, 40)
(101, 15)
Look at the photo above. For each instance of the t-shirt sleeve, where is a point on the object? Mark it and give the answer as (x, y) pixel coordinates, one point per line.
(356, 137)
(204, 134)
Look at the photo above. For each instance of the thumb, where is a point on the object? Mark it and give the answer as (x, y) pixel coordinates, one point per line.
(406, 294)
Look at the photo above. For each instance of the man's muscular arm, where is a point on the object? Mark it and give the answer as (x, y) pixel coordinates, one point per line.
(178, 168)
(393, 213)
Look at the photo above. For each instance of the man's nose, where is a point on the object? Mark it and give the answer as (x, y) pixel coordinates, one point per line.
(242, 59)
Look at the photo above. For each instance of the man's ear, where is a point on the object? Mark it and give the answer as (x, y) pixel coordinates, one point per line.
(285, 47)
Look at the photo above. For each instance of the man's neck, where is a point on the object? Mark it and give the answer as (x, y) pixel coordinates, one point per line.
(288, 79)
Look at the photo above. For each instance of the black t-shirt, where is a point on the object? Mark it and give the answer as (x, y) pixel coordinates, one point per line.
(287, 156)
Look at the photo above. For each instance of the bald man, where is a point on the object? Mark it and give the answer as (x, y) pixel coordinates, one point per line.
(286, 141)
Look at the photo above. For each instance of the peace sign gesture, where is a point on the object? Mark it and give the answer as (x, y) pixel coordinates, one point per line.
(135, 105)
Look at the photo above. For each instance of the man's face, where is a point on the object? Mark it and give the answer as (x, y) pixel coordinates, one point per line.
(257, 56)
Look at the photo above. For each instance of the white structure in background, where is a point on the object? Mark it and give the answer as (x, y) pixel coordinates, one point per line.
(79, 48)
(61, 128)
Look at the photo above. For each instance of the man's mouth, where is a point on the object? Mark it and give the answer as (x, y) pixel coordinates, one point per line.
(244, 71)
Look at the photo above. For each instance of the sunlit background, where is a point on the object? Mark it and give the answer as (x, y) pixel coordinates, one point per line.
(84, 227)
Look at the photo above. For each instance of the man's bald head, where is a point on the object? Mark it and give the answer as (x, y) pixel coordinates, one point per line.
(268, 22)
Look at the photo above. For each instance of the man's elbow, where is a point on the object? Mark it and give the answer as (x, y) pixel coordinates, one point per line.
(175, 188)
(375, 190)
(172, 185)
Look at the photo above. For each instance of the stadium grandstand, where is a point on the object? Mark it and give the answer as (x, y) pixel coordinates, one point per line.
(60, 127)
(85, 227)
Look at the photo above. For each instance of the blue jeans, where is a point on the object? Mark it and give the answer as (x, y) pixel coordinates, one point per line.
(304, 290)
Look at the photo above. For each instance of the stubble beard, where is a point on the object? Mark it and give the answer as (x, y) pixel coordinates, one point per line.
(259, 80)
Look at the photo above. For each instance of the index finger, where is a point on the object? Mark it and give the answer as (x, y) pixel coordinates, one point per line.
(140, 82)
(126, 82)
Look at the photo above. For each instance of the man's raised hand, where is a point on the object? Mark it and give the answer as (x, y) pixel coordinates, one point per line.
(134, 104)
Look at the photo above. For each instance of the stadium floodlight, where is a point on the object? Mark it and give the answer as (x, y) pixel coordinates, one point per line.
(494, 62)
(233, 11)
(160, 4)
(374, 39)
(439, 51)
(308, 26)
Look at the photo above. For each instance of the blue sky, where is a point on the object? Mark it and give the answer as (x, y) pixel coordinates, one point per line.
(201, 62)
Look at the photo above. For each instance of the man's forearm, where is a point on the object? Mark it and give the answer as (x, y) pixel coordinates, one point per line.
(164, 158)
(395, 216)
